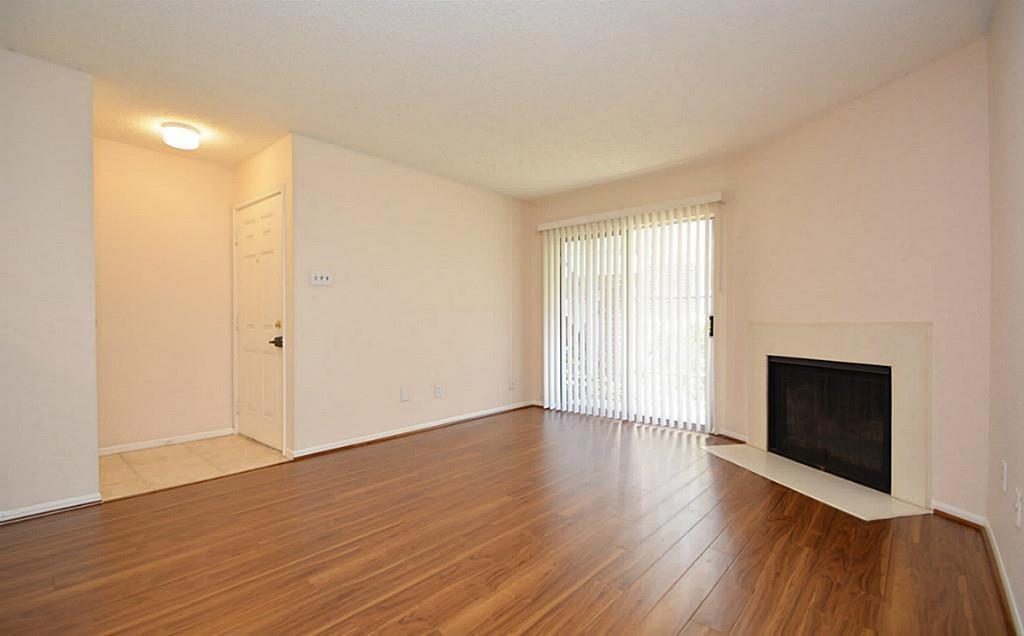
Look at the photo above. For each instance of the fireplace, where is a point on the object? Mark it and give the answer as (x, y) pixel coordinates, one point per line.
(835, 416)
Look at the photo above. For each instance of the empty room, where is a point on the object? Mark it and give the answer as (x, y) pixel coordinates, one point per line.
(502, 316)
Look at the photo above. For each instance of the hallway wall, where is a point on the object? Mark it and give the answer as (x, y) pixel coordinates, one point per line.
(47, 290)
(163, 294)
(1006, 100)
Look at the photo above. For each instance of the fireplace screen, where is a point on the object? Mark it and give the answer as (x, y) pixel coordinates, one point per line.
(835, 416)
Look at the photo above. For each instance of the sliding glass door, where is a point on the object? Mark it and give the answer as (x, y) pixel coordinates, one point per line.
(628, 306)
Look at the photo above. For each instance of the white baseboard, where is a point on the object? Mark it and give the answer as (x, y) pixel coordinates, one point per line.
(1003, 574)
(153, 443)
(742, 438)
(312, 450)
(48, 506)
(959, 512)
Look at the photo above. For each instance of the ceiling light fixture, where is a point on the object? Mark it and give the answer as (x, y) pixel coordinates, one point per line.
(180, 136)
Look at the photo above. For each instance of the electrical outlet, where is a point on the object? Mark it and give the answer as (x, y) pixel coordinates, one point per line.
(403, 394)
(437, 391)
(1004, 475)
(511, 384)
(321, 279)
(1019, 507)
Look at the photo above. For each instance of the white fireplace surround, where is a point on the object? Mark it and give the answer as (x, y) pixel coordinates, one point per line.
(904, 346)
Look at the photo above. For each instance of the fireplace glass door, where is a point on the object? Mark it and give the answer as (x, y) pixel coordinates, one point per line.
(835, 416)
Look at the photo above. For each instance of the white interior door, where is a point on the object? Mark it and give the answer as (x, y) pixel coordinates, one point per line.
(259, 294)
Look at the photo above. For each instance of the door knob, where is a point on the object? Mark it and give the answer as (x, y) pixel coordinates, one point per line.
(277, 342)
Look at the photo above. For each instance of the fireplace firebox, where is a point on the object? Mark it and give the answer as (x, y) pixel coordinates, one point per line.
(835, 416)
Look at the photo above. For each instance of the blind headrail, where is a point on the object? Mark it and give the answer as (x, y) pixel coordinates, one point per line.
(712, 197)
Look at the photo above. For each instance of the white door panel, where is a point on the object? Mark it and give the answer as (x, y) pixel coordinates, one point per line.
(260, 294)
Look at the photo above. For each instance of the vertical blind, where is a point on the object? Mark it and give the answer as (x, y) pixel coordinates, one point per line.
(628, 306)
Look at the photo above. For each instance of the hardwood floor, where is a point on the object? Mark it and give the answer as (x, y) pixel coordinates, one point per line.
(522, 522)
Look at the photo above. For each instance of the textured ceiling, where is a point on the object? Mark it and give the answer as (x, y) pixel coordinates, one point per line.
(524, 98)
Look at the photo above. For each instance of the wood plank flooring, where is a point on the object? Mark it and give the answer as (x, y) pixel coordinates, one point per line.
(527, 521)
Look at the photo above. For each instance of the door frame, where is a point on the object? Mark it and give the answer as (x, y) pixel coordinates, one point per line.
(235, 403)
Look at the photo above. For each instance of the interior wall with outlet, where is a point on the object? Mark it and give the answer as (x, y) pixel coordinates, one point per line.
(265, 172)
(47, 330)
(877, 211)
(163, 294)
(427, 279)
(1006, 129)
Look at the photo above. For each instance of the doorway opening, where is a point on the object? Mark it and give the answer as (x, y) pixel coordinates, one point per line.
(190, 307)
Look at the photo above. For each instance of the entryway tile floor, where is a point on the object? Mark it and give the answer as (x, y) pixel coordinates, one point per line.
(136, 472)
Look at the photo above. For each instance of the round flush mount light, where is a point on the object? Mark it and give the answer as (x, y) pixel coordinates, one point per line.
(180, 136)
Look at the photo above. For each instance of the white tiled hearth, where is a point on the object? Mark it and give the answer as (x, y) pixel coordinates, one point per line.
(859, 501)
(905, 347)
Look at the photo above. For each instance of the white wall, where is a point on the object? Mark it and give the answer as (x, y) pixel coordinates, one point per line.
(163, 294)
(427, 290)
(47, 329)
(1007, 165)
(876, 212)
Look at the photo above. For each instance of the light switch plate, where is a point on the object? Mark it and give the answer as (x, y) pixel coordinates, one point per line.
(322, 279)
